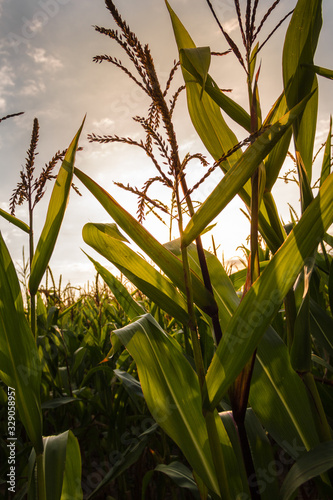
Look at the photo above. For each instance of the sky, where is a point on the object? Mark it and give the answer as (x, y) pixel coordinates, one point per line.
(46, 71)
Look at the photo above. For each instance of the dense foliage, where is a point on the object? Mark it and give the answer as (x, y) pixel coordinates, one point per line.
(188, 382)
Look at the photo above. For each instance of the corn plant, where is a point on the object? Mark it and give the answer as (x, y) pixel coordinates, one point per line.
(57, 457)
(245, 368)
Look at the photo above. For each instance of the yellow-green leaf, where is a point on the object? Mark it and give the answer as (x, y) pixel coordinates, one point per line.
(14, 220)
(20, 367)
(263, 300)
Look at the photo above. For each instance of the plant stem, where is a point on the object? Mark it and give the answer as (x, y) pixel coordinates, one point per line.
(41, 477)
(213, 437)
(291, 313)
(33, 317)
(239, 391)
(189, 298)
(203, 265)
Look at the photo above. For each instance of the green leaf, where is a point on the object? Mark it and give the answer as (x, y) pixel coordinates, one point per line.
(130, 306)
(56, 402)
(165, 260)
(54, 464)
(138, 271)
(172, 393)
(300, 354)
(194, 86)
(17, 222)
(62, 465)
(288, 401)
(20, 366)
(327, 73)
(321, 326)
(310, 465)
(231, 428)
(328, 238)
(330, 286)
(212, 129)
(125, 459)
(277, 156)
(224, 293)
(164, 374)
(279, 398)
(181, 476)
(198, 59)
(72, 476)
(326, 166)
(298, 51)
(132, 386)
(54, 217)
(262, 453)
(263, 300)
(237, 176)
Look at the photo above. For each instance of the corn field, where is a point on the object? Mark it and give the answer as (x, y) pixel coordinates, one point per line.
(178, 378)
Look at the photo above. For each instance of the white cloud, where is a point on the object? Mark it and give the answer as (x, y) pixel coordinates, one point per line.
(2, 104)
(32, 87)
(7, 76)
(40, 56)
(230, 25)
(104, 123)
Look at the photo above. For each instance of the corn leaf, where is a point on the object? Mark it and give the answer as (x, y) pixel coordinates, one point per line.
(278, 395)
(152, 283)
(326, 166)
(330, 286)
(262, 454)
(211, 127)
(224, 293)
(327, 73)
(300, 354)
(126, 458)
(71, 487)
(62, 465)
(298, 52)
(181, 476)
(263, 300)
(14, 220)
(20, 366)
(130, 306)
(288, 400)
(277, 156)
(321, 327)
(164, 259)
(204, 112)
(172, 393)
(195, 65)
(54, 217)
(310, 465)
(237, 176)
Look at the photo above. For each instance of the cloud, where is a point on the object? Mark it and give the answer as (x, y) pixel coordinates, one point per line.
(32, 87)
(40, 56)
(104, 123)
(7, 76)
(230, 25)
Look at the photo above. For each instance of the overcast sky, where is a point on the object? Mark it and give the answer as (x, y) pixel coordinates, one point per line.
(46, 51)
